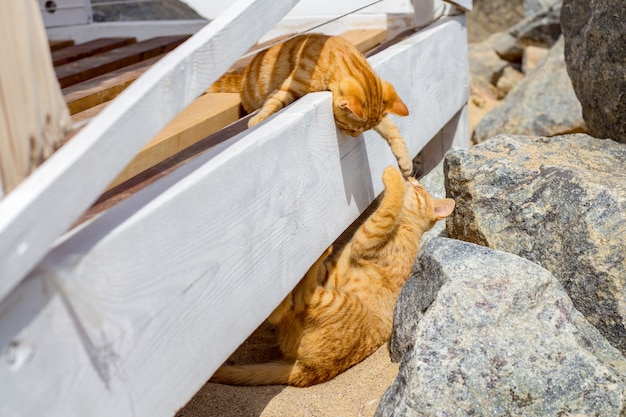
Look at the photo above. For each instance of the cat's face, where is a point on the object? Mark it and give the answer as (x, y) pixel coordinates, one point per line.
(429, 209)
(358, 108)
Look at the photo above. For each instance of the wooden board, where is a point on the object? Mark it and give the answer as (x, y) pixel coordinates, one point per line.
(73, 178)
(98, 90)
(83, 50)
(55, 45)
(90, 67)
(133, 311)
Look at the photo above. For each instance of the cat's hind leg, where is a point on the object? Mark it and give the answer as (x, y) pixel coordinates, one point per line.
(275, 101)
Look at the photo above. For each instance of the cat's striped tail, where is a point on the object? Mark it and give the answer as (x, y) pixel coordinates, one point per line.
(381, 225)
(227, 83)
(270, 373)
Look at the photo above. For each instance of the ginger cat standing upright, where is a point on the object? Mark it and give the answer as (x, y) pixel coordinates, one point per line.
(342, 310)
(308, 63)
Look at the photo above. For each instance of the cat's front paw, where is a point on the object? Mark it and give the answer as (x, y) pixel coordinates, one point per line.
(255, 120)
(406, 168)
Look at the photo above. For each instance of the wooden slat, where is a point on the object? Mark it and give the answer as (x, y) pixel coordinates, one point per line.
(133, 311)
(91, 67)
(206, 115)
(60, 44)
(83, 50)
(90, 93)
(365, 39)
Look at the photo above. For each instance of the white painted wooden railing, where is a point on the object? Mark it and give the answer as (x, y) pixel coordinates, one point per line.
(130, 313)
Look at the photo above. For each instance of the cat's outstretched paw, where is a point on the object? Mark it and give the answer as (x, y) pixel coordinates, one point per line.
(406, 169)
(255, 120)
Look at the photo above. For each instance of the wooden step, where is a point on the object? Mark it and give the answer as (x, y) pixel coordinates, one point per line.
(83, 50)
(60, 44)
(106, 87)
(93, 66)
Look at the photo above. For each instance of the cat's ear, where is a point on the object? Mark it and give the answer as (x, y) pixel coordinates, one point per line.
(349, 93)
(443, 207)
(393, 103)
(353, 105)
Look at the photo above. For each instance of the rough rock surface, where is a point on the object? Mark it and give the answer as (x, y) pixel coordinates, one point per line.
(559, 202)
(129, 10)
(595, 51)
(544, 104)
(491, 16)
(486, 68)
(500, 338)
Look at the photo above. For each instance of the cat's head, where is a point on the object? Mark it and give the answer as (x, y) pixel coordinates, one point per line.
(358, 107)
(429, 209)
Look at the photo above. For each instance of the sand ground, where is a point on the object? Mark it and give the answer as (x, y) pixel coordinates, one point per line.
(355, 393)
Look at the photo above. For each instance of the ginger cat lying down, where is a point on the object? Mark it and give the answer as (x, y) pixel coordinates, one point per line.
(285, 72)
(342, 310)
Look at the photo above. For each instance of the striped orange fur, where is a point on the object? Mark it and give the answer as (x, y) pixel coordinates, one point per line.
(307, 63)
(342, 310)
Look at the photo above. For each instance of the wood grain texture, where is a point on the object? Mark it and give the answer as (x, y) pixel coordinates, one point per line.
(93, 66)
(73, 178)
(98, 90)
(83, 50)
(147, 296)
(55, 45)
(205, 116)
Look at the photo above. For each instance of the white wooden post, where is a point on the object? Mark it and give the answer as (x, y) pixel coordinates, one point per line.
(33, 115)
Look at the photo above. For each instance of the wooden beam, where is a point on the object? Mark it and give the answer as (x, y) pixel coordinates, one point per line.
(83, 50)
(90, 93)
(205, 116)
(72, 179)
(91, 67)
(60, 44)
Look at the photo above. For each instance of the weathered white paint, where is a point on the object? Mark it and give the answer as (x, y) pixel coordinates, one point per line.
(65, 12)
(211, 9)
(44, 206)
(133, 311)
(141, 30)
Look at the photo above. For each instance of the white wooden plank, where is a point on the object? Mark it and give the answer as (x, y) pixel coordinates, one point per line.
(35, 214)
(158, 290)
(141, 30)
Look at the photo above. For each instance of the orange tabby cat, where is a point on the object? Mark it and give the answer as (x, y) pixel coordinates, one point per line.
(307, 63)
(342, 310)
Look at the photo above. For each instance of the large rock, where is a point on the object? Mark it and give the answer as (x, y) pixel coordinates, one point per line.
(544, 103)
(559, 202)
(595, 52)
(500, 338)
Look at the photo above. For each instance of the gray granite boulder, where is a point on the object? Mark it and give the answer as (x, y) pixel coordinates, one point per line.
(499, 337)
(595, 52)
(544, 104)
(559, 202)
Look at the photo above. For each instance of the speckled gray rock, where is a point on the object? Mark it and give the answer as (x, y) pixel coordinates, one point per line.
(559, 202)
(595, 52)
(130, 10)
(501, 338)
(542, 104)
